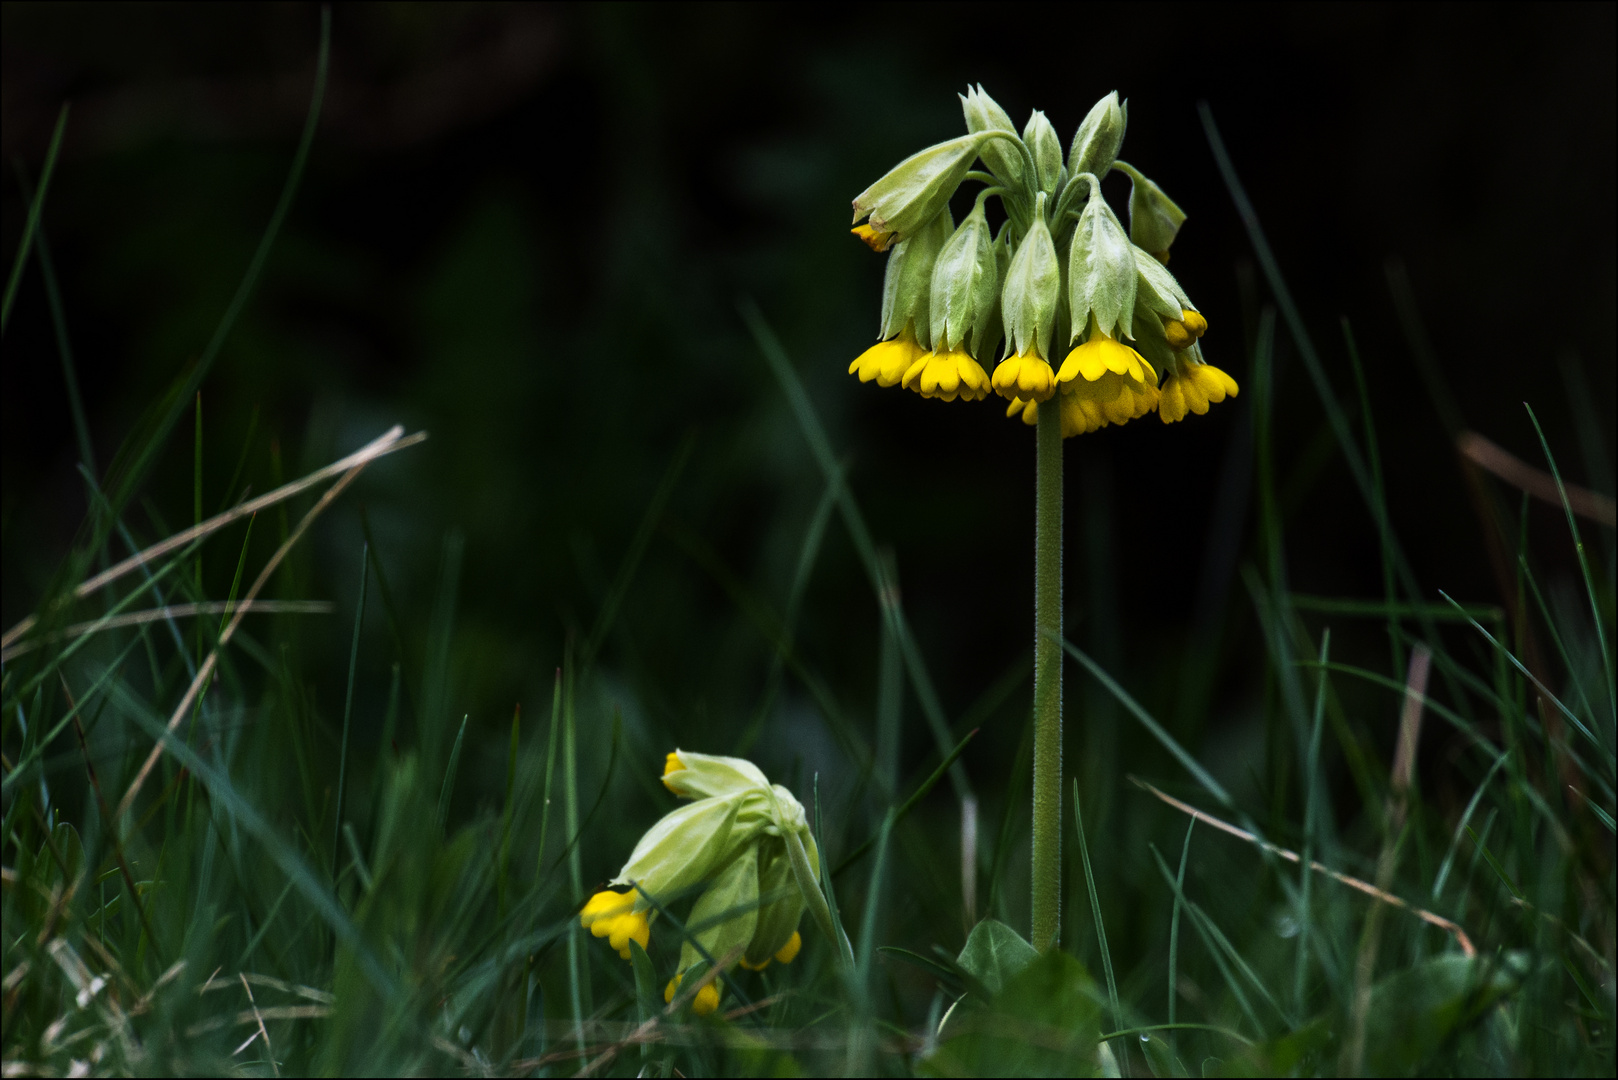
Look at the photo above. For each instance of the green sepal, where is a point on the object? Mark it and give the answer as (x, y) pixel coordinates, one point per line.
(965, 282)
(1033, 288)
(1101, 272)
(1099, 138)
(706, 775)
(915, 190)
(908, 285)
(1154, 219)
(1046, 147)
(983, 113)
(724, 917)
(1158, 290)
(778, 918)
(686, 846)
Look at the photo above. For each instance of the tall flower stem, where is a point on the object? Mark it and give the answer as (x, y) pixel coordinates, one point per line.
(1047, 869)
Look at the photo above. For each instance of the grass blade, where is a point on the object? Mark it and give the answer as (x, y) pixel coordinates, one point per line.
(348, 704)
(36, 206)
(448, 787)
(1095, 908)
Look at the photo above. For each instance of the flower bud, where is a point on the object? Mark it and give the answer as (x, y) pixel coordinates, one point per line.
(909, 281)
(1099, 138)
(964, 284)
(1154, 220)
(983, 113)
(1101, 272)
(914, 191)
(1033, 289)
(1046, 147)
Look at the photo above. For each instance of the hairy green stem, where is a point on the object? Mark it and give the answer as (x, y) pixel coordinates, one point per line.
(1047, 870)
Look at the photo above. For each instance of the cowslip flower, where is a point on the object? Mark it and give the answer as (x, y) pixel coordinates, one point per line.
(744, 843)
(1061, 267)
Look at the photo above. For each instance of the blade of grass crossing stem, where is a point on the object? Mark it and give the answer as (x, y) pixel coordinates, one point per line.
(1189, 763)
(36, 207)
(1584, 567)
(196, 517)
(637, 549)
(873, 904)
(845, 951)
(505, 817)
(814, 434)
(910, 803)
(1460, 827)
(1213, 950)
(1095, 910)
(1174, 923)
(1530, 676)
(1526, 576)
(236, 582)
(348, 707)
(134, 475)
(448, 788)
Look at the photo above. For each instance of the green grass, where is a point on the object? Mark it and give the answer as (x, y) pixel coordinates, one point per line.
(283, 895)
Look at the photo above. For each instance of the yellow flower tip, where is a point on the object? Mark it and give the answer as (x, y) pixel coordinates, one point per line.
(1162, 256)
(1027, 376)
(887, 361)
(947, 375)
(1194, 322)
(612, 915)
(1179, 334)
(707, 999)
(1112, 399)
(1102, 354)
(876, 241)
(1028, 411)
(672, 764)
(1192, 389)
(755, 967)
(789, 952)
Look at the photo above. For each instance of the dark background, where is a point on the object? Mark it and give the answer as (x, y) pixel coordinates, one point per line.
(526, 230)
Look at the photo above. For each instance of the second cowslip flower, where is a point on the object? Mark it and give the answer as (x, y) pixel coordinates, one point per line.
(743, 845)
(1060, 274)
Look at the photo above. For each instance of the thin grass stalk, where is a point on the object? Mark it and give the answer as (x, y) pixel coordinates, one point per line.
(348, 708)
(36, 207)
(1047, 847)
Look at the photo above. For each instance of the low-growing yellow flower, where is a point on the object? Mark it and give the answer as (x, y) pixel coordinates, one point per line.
(743, 843)
(612, 915)
(887, 361)
(706, 1001)
(947, 376)
(1190, 387)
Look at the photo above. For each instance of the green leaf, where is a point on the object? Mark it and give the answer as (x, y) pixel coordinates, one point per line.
(995, 954)
(1045, 1022)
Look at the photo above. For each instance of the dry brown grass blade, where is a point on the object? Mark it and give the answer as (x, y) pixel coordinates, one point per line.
(1292, 856)
(172, 611)
(205, 672)
(1536, 482)
(393, 439)
(269, 1051)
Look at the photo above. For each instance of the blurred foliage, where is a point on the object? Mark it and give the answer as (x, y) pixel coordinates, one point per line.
(528, 231)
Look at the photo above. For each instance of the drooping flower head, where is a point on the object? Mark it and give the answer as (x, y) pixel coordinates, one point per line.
(743, 843)
(1060, 273)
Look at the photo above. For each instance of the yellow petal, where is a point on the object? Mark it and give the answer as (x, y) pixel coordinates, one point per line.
(1194, 322)
(789, 952)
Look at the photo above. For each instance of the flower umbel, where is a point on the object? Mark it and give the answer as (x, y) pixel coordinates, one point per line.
(1061, 269)
(738, 844)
